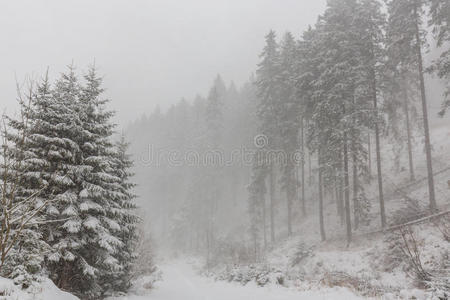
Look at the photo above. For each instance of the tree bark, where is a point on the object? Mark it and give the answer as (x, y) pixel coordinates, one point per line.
(408, 133)
(347, 193)
(272, 204)
(355, 185)
(310, 168)
(433, 206)
(303, 167)
(321, 222)
(341, 186)
(369, 152)
(336, 192)
(263, 200)
(290, 195)
(373, 82)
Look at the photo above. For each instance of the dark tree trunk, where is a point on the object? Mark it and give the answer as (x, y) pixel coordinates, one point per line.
(310, 168)
(322, 227)
(369, 152)
(302, 129)
(433, 206)
(263, 204)
(208, 248)
(373, 82)
(408, 133)
(272, 204)
(290, 195)
(341, 187)
(347, 193)
(336, 192)
(355, 185)
(289, 198)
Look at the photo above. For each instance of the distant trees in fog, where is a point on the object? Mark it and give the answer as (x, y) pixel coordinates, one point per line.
(333, 99)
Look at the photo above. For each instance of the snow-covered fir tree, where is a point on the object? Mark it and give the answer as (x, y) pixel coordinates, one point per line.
(25, 186)
(123, 221)
(267, 91)
(85, 234)
(406, 20)
(440, 22)
(288, 120)
(257, 205)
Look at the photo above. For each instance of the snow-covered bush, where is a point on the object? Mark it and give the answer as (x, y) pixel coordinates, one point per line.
(439, 282)
(302, 252)
(393, 256)
(261, 274)
(359, 284)
(416, 250)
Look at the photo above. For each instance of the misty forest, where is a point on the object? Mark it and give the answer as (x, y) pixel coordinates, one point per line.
(324, 175)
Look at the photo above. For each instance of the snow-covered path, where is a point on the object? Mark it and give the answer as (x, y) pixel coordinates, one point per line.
(180, 282)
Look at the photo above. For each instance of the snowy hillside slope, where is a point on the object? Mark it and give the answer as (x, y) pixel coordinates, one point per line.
(373, 264)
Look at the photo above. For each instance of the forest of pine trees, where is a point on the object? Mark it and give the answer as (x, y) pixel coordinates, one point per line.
(70, 181)
(326, 105)
(316, 133)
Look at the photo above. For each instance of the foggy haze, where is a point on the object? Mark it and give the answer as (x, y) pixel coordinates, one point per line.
(224, 149)
(151, 52)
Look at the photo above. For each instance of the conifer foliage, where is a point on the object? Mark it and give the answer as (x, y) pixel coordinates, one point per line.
(440, 22)
(88, 229)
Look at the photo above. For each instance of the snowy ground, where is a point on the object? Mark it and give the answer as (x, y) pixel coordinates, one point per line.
(44, 290)
(181, 282)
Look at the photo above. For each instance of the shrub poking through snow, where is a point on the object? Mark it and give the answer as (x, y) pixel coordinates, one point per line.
(260, 274)
(358, 284)
(394, 255)
(301, 253)
(411, 251)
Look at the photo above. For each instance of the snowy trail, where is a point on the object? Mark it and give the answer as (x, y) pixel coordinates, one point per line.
(182, 283)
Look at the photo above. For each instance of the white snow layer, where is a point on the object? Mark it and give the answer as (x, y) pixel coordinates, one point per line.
(180, 282)
(44, 290)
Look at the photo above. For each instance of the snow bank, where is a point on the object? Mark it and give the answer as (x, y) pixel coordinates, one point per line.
(44, 290)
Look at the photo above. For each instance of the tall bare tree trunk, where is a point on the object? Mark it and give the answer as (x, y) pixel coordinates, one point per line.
(310, 168)
(290, 195)
(302, 129)
(263, 199)
(347, 193)
(433, 206)
(369, 152)
(336, 192)
(408, 133)
(322, 227)
(373, 82)
(355, 169)
(355, 185)
(272, 203)
(208, 248)
(296, 179)
(341, 187)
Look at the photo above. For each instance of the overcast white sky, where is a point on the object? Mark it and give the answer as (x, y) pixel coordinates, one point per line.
(150, 51)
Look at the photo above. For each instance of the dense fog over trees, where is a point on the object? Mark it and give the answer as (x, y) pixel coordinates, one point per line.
(324, 174)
